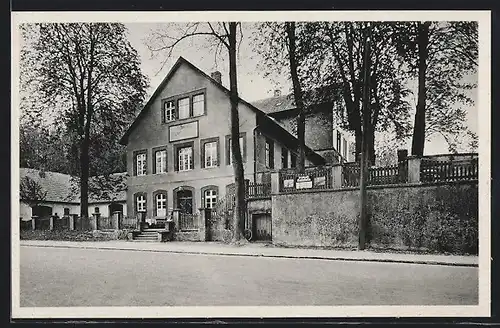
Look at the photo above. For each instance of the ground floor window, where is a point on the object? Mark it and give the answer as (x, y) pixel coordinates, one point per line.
(210, 198)
(141, 203)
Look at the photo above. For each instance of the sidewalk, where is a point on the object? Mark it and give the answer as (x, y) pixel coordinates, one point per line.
(254, 249)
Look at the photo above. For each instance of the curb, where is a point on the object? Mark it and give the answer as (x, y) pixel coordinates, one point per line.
(429, 262)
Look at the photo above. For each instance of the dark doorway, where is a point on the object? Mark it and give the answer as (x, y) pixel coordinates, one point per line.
(262, 227)
(41, 211)
(185, 201)
(115, 207)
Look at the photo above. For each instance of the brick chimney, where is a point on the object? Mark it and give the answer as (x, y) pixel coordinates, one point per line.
(277, 93)
(217, 76)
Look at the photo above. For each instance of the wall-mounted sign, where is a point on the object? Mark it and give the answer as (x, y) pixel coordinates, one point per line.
(288, 183)
(303, 182)
(183, 131)
(319, 181)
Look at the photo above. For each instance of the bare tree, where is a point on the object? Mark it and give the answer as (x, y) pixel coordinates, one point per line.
(224, 34)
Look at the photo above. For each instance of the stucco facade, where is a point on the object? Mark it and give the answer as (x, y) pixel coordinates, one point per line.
(151, 131)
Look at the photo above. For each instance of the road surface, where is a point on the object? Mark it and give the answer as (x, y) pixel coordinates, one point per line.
(51, 277)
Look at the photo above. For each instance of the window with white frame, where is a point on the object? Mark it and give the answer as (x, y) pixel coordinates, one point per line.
(161, 161)
(211, 159)
(141, 203)
(141, 164)
(185, 158)
(231, 150)
(183, 105)
(198, 105)
(210, 198)
(161, 205)
(169, 108)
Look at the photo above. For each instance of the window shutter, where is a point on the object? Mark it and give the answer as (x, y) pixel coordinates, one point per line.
(146, 162)
(218, 153)
(135, 203)
(155, 204)
(202, 157)
(271, 154)
(176, 159)
(192, 157)
(153, 162)
(162, 110)
(135, 164)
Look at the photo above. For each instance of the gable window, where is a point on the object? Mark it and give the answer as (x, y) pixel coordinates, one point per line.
(169, 111)
(66, 211)
(198, 105)
(96, 210)
(293, 160)
(141, 203)
(183, 105)
(284, 158)
(210, 151)
(230, 150)
(140, 164)
(161, 204)
(269, 154)
(160, 161)
(185, 158)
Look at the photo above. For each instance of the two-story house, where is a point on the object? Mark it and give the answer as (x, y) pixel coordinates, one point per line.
(322, 129)
(178, 147)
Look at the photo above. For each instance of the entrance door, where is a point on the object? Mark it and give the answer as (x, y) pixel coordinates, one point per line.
(262, 227)
(185, 201)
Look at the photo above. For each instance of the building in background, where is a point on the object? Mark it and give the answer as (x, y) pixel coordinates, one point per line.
(322, 128)
(61, 199)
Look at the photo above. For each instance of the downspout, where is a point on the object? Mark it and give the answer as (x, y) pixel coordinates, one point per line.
(255, 151)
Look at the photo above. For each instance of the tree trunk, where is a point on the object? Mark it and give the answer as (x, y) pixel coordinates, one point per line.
(239, 180)
(370, 144)
(297, 93)
(84, 178)
(365, 137)
(418, 141)
(357, 143)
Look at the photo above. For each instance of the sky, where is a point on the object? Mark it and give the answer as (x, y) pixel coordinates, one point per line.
(252, 85)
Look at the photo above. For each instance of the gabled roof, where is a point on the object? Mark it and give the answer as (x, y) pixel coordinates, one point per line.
(275, 104)
(317, 96)
(182, 60)
(59, 186)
